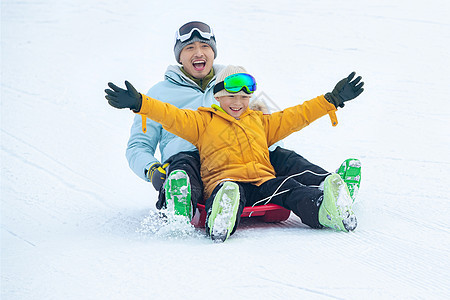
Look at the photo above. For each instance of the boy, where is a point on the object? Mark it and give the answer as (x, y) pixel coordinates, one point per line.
(233, 143)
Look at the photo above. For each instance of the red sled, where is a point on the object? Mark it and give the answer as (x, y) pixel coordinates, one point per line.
(269, 213)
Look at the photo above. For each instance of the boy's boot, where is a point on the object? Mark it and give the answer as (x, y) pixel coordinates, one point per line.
(350, 171)
(336, 208)
(223, 213)
(178, 194)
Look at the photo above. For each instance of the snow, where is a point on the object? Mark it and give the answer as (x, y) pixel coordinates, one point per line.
(178, 175)
(74, 218)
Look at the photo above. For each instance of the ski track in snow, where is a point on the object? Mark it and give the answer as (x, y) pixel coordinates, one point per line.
(76, 223)
(49, 171)
(17, 236)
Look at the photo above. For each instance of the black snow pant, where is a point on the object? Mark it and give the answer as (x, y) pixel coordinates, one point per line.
(302, 200)
(287, 162)
(190, 163)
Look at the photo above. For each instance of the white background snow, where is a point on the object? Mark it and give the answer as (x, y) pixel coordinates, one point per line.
(76, 223)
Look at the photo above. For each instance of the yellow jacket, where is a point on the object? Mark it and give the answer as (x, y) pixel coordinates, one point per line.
(231, 149)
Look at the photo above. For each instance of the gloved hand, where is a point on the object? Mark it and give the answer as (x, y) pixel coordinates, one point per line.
(345, 90)
(157, 175)
(120, 98)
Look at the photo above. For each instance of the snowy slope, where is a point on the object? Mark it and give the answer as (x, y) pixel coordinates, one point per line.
(76, 223)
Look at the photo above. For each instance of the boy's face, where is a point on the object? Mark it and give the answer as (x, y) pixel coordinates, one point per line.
(197, 59)
(234, 105)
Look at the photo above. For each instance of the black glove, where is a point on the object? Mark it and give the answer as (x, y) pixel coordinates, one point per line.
(157, 175)
(345, 90)
(120, 98)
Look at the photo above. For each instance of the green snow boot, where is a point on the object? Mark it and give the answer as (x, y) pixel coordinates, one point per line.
(178, 194)
(222, 216)
(350, 171)
(336, 209)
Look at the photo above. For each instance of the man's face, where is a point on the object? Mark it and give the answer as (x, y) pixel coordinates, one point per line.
(234, 105)
(197, 59)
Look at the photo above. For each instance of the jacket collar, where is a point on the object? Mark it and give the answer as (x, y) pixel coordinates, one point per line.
(201, 82)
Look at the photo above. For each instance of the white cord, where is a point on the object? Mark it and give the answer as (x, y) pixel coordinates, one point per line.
(289, 177)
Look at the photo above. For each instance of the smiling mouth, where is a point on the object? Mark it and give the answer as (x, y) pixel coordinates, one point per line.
(235, 109)
(199, 65)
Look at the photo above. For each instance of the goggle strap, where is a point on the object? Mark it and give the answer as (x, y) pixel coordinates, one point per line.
(219, 86)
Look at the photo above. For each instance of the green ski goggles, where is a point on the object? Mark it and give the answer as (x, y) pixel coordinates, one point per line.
(236, 83)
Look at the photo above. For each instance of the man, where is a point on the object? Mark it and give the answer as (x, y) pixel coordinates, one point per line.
(188, 86)
(177, 178)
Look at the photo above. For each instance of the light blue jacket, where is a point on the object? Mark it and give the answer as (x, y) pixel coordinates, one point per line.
(176, 89)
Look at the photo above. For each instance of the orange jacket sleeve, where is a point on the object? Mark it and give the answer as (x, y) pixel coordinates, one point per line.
(281, 124)
(185, 123)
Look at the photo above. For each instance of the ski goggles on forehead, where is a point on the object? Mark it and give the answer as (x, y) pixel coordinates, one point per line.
(236, 83)
(186, 31)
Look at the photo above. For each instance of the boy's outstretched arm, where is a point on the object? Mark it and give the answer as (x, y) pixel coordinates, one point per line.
(345, 90)
(185, 123)
(281, 124)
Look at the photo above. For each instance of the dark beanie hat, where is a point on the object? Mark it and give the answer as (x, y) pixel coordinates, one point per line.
(196, 37)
